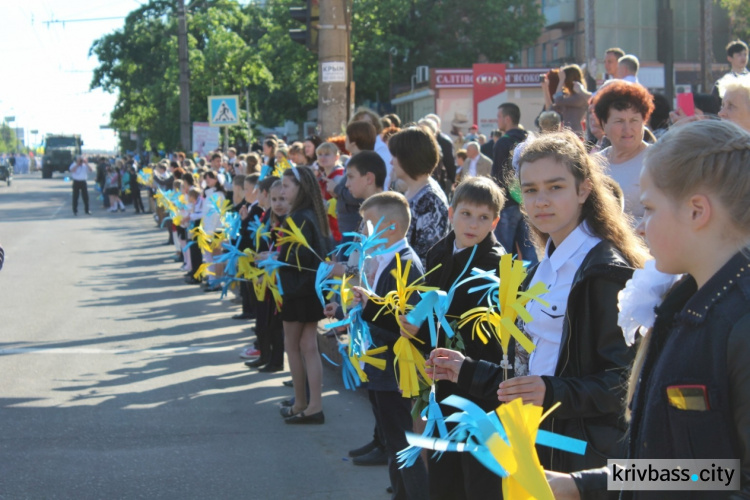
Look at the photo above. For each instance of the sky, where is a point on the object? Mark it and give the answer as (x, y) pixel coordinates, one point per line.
(47, 71)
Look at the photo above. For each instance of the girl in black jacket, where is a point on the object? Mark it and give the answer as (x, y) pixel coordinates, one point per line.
(301, 310)
(580, 356)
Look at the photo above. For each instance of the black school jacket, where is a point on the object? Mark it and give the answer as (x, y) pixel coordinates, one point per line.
(385, 330)
(591, 372)
(298, 283)
(487, 258)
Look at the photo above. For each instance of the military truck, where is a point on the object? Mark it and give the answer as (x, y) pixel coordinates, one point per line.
(59, 152)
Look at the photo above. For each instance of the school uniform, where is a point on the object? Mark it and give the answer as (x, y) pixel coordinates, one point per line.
(392, 411)
(456, 476)
(301, 303)
(583, 359)
(699, 339)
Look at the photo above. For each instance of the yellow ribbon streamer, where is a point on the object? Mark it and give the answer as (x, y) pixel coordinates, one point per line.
(527, 479)
(410, 365)
(500, 318)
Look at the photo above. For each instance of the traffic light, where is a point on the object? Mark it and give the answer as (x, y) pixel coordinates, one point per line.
(308, 16)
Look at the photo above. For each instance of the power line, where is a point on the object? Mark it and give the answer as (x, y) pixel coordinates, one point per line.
(63, 21)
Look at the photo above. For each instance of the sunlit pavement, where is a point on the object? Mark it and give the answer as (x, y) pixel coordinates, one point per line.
(120, 381)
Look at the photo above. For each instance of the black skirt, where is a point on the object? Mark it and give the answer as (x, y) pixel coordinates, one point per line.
(303, 309)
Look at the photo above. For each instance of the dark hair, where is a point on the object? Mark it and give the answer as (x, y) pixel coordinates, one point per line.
(316, 141)
(174, 164)
(461, 153)
(660, 117)
(265, 184)
(511, 110)
(622, 95)
(709, 104)
(213, 175)
(363, 134)
(572, 74)
(271, 143)
(496, 133)
(216, 155)
(416, 151)
(369, 162)
(385, 122)
(618, 52)
(252, 178)
(178, 173)
(308, 196)
(479, 191)
(189, 179)
(394, 118)
(365, 114)
(735, 46)
(238, 179)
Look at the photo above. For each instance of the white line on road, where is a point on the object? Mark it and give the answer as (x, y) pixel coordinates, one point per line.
(57, 211)
(87, 350)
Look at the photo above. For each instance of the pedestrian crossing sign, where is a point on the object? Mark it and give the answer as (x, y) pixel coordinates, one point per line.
(223, 110)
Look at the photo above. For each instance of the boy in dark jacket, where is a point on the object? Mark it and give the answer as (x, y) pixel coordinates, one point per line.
(474, 213)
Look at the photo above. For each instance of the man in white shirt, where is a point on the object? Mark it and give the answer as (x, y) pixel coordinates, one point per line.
(737, 54)
(79, 172)
(627, 68)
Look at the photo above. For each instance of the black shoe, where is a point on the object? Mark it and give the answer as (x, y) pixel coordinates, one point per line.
(363, 450)
(378, 456)
(242, 316)
(389, 489)
(301, 418)
(288, 383)
(191, 281)
(271, 369)
(288, 402)
(256, 363)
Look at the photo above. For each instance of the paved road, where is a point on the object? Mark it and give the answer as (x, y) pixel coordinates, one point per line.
(117, 380)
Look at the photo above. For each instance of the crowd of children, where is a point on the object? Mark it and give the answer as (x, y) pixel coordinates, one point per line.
(368, 241)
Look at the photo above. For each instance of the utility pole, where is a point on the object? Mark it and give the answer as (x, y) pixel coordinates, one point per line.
(332, 67)
(182, 49)
(707, 44)
(665, 21)
(590, 34)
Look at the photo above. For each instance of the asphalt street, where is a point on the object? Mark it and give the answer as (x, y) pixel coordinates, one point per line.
(118, 380)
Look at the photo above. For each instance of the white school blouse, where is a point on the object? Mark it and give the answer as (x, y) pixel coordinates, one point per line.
(556, 271)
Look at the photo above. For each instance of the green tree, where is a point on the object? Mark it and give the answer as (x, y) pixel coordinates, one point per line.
(435, 33)
(739, 16)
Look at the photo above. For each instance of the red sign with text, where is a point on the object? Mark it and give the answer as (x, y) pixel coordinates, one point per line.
(489, 93)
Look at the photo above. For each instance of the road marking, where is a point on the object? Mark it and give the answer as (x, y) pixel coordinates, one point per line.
(57, 211)
(91, 350)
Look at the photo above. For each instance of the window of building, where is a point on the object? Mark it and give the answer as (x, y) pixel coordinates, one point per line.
(530, 62)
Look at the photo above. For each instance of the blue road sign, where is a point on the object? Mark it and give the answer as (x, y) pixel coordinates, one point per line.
(223, 110)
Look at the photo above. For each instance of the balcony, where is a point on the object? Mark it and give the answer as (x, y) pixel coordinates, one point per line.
(559, 14)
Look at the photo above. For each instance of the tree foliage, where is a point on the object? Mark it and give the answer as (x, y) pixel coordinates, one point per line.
(739, 15)
(235, 48)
